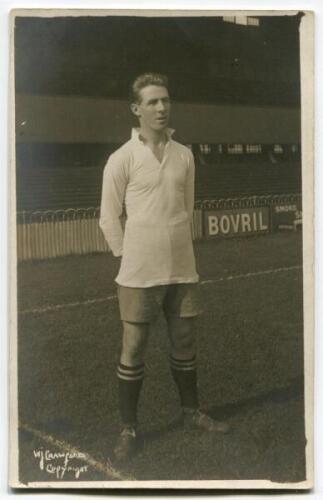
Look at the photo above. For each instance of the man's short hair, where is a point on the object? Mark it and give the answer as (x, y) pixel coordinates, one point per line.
(143, 81)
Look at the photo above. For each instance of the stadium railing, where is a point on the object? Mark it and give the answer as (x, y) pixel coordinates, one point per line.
(54, 233)
(248, 202)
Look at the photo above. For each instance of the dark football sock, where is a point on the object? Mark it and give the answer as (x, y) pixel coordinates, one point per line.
(130, 381)
(184, 374)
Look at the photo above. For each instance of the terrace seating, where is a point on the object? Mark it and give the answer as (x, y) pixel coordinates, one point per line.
(58, 188)
(71, 187)
(243, 179)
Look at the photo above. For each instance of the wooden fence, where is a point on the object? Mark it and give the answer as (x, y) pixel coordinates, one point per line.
(55, 233)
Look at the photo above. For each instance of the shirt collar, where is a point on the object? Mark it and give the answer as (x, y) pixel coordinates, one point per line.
(135, 134)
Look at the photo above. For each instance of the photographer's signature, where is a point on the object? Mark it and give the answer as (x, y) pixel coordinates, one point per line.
(59, 464)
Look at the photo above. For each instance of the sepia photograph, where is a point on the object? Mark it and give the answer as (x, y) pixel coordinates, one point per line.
(161, 249)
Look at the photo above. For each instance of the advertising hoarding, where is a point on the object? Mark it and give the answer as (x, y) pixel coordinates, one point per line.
(236, 222)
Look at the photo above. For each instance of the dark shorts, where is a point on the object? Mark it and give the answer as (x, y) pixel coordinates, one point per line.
(143, 305)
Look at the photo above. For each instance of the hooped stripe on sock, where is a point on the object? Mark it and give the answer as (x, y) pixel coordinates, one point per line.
(131, 368)
(130, 373)
(179, 364)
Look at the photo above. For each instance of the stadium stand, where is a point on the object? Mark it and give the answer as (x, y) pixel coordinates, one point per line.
(78, 185)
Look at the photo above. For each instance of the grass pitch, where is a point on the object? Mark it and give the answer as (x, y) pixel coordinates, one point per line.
(250, 349)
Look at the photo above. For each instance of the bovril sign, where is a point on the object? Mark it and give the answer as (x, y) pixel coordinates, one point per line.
(236, 222)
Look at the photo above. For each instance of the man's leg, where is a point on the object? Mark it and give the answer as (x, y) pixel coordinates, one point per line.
(130, 376)
(183, 358)
(183, 365)
(131, 369)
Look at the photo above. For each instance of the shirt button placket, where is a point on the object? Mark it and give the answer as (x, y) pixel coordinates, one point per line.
(165, 156)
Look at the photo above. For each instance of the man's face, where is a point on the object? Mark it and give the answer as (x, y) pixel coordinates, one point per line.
(154, 108)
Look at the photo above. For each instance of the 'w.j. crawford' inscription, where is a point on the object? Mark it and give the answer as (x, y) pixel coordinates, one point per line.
(60, 464)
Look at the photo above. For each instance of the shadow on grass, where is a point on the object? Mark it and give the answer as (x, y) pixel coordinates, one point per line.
(278, 395)
(156, 434)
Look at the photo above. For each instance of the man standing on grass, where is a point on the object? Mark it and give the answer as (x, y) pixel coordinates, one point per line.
(154, 177)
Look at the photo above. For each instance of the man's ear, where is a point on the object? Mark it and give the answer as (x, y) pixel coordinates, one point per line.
(135, 109)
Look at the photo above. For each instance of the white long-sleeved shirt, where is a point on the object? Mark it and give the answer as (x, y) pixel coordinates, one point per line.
(156, 244)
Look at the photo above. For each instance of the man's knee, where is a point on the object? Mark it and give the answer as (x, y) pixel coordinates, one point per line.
(183, 338)
(134, 347)
(134, 342)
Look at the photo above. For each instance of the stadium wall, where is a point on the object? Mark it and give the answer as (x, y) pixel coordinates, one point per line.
(56, 233)
(58, 119)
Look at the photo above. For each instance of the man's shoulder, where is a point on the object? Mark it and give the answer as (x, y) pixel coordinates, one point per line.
(119, 161)
(123, 153)
(183, 149)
